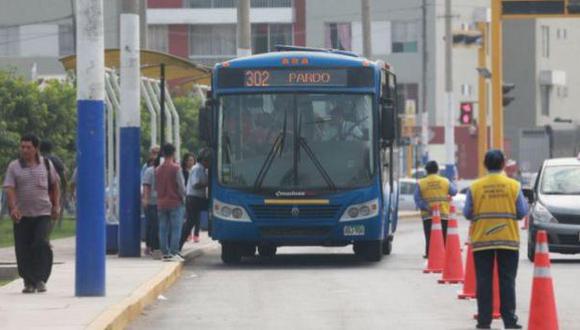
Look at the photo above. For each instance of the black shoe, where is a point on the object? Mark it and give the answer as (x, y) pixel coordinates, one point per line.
(483, 326)
(41, 287)
(513, 326)
(29, 289)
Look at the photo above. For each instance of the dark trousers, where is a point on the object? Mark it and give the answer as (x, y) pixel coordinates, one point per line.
(427, 232)
(507, 262)
(193, 207)
(152, 227)
(33, 251)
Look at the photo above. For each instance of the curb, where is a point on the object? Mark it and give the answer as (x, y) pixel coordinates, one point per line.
(121, 314)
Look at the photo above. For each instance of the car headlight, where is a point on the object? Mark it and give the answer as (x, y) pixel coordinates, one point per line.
(230, 212)
(361, 211)
(541, 214)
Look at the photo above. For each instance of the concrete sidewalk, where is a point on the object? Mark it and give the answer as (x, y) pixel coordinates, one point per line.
(131, 284)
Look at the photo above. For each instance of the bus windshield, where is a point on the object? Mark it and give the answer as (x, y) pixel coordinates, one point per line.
(271, 142)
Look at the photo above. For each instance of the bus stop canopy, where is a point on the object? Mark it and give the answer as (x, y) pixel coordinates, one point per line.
(177, 70)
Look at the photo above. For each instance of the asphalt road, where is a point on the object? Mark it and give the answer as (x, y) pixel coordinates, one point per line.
(328, 288)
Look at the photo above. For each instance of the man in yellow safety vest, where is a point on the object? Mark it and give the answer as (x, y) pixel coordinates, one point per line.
(494, 203)
(433, 189)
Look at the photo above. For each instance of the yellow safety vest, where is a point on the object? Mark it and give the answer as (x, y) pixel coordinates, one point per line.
(435, 190)
(494, 223)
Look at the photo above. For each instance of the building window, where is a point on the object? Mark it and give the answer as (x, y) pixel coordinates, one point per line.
(404, 37)
(338, 36)
(265, 37)
(234, 3)
(271, 3)
(545, 41)
(9, 41)
(157, 38)
(210, 44)
(545, 100)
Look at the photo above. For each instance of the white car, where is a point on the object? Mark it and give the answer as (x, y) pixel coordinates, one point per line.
(407, 188)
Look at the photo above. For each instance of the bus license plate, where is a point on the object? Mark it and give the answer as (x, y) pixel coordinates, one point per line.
(356, 230)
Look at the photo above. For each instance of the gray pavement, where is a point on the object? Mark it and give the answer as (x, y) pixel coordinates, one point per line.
(328, 288)
(59, 308)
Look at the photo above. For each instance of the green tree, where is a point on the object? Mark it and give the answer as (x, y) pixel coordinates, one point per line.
(47, 110)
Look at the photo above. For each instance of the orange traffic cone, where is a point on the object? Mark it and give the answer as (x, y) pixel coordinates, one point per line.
(453, 270)
(469, 287)
(495, 294)
(543, 315)
(436, 259)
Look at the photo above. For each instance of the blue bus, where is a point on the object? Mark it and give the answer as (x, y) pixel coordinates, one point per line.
(305, 153)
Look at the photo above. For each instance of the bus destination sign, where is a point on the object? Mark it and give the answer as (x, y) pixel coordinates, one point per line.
(286, 77)
(267, 78)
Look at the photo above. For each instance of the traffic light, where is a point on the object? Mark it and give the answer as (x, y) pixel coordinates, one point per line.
(467, 38)
(507, 88)
(466, 113)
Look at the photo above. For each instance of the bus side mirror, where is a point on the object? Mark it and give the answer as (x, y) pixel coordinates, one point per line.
(388, 122)
(205, 122)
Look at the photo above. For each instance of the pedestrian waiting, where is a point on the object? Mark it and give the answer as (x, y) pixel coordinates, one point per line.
(494, 203)
(196, 196)
(32, 187)
(149, 201)
(170, 186)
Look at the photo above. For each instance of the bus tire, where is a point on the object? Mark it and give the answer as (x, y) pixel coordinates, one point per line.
(231, 253)
(267, 251)
(373, 251)
(388, 245)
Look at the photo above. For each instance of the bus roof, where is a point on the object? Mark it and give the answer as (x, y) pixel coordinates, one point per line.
(297, 59)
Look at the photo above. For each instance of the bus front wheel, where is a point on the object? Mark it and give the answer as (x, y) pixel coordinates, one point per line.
(369, 251)
(231, 253)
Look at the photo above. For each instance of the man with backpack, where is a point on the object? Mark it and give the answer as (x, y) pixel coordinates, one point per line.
(32, 187)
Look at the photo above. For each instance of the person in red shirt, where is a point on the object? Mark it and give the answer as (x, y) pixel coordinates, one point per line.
(170, 186)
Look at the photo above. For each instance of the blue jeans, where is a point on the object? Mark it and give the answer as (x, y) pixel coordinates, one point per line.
(170, 223)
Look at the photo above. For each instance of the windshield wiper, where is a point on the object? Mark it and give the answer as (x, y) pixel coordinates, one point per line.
(302, 143)
(277, 148)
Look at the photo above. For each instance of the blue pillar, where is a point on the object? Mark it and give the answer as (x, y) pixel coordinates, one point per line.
(91, 245)
(130, 139)
(129, 193)
(90, 239)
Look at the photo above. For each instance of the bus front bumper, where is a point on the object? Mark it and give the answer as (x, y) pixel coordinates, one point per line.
(301, 233)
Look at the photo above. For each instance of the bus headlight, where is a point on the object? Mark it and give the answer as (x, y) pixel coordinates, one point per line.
(361, 211)
(230, 212)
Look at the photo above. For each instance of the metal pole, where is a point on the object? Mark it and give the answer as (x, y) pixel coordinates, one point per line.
(90, 238)
(143, 33)
(497, 77)
(366, 28)
(153, 115)
(449, 118)
(162, 102)
(482, 101)
(424, 111)
(244, 30)
(130, 122)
